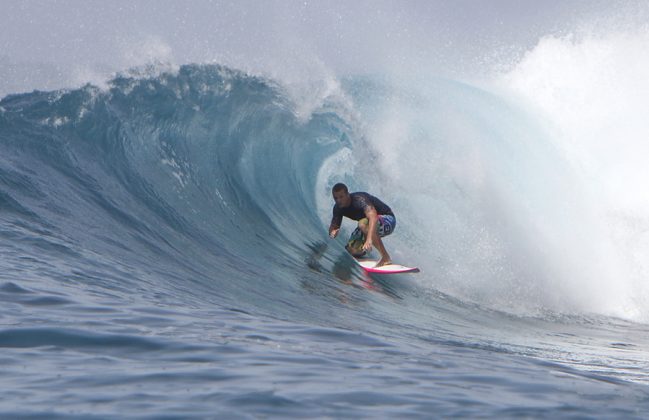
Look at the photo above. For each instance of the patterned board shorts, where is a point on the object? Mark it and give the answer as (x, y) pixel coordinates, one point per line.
(387, 223)
(356, 240)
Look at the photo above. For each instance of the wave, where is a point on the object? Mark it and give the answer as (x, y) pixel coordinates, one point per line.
(216, 183)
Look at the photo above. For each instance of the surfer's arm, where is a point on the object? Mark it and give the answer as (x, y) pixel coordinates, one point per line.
(334, 227)
(373, 218)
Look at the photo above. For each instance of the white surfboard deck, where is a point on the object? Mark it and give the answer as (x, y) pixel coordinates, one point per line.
(369, 266)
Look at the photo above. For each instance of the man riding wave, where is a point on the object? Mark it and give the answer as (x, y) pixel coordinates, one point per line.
(375, 220)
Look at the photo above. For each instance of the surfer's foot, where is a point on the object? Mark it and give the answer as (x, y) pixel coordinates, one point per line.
(383, 261)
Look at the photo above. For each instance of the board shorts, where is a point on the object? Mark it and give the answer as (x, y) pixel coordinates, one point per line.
(386, 226)
(387, 223)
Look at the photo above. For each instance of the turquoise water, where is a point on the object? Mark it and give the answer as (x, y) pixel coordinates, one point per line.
(165, 255)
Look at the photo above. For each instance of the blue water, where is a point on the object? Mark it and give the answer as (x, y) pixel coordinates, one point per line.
(165, 255)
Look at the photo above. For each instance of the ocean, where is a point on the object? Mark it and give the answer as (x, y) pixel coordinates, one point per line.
(164, 248)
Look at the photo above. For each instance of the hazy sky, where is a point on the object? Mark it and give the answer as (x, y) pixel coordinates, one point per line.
(47, 44)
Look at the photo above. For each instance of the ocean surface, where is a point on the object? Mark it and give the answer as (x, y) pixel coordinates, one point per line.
(164, 251)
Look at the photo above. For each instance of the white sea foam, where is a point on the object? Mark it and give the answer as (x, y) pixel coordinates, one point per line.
(592, 92)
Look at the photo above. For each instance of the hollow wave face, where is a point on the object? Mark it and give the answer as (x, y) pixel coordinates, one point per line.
(204, 174)
(479, 192)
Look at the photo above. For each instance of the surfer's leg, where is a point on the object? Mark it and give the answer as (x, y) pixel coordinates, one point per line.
(355, 243)
(385, 257)
(364, 225)
(385, 227)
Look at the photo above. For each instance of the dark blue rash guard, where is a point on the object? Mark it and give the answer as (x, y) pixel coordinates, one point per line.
(356, 210)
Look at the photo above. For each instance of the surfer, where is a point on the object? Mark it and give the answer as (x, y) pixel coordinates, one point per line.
(375, 220)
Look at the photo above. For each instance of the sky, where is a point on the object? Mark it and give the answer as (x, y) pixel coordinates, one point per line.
(48, 44)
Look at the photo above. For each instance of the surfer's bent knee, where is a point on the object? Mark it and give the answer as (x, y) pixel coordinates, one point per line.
(363, 224)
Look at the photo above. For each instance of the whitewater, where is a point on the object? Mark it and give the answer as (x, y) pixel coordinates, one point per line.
(164, 248)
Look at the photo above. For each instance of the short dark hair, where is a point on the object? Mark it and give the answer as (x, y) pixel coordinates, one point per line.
(339, 187)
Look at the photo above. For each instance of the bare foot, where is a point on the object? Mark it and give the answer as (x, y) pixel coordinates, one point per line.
(383, 261)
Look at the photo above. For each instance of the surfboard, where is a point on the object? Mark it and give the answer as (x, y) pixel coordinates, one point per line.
(369, 266)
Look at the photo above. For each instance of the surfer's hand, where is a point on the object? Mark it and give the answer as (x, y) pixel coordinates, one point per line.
(334, 233)
(367, 246)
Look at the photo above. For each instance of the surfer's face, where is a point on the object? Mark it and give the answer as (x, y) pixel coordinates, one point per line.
(342, 198)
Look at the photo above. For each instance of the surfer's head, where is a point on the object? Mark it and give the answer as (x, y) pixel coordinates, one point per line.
(341, 195)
